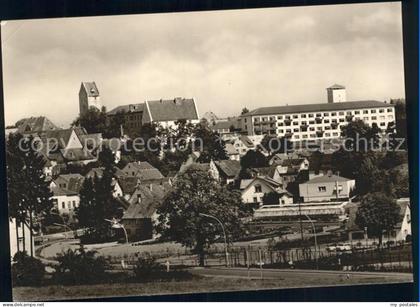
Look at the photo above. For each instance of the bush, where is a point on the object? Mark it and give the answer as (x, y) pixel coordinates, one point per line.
(26, 270)
(147, 269)
(79, 267)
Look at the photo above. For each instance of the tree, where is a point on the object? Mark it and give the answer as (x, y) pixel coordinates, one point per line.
(379, 213)
(360, 137)
(252, 159)
(29, 193)
(271, 198)
(97, 202)
(276, 145)
(209, 143)
(115, 122)
(244, 111)
(400, 119)
(94, 121)
(197, 192)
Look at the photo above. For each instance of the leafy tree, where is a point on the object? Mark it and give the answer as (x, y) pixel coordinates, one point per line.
(27, 270)
(172, 161)
(276, 145)
(252, 159)
(113, 129)
(76, 267)
(97, 202)
(360, 137)
(209, 143)
(379, 213)
(244, 111)
(94, 121)
(271, 198)
(400, 119)
(195, 193)
(29, 193)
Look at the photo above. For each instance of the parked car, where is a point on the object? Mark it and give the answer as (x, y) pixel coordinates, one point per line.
(331, 248)
(343, 247)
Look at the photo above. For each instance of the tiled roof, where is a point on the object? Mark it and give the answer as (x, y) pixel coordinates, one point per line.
(76, 154)
(91, 89)
(223, 125)
(337, 87)
(319, 107)
(92, 140)
(247, 141)
(229, 168)
(172, 110)
(99, 171)
(230, 149)
(128, 184)
(128, 108)
(292, 162)
(35, 124)
(327, 178)
(142, 170)
(62, 192)
(151, 197)
(247, 182)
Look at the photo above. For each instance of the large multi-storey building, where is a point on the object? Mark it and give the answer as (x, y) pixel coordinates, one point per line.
(316, 121)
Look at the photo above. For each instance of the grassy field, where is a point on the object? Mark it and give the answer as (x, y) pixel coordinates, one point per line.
(196, 285)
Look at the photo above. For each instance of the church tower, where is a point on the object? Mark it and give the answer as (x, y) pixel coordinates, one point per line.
(89, 97)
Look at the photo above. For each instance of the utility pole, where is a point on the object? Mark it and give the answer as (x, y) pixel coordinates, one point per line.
(300, 222)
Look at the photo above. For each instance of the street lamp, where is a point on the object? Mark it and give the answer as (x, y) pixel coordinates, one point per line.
(316, 244)
(117, 225)
(224, 234)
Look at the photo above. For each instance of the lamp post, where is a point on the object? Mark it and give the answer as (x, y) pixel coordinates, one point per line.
(316, 244)
(117, 225)
(224, 234)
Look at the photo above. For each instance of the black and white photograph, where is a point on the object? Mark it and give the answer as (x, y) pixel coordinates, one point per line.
(206, 151)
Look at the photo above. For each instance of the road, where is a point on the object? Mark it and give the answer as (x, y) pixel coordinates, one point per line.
(312, 277)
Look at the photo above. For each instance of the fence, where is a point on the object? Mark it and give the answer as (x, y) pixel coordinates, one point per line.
(386, 259)
(398, 259)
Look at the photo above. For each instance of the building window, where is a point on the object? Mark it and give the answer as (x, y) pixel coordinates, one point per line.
(63, 205)
(255, 199)
(311, 128)
(280, 117)
(389, 110)
(326, 114)
(365, 111)
(356, 112)
(295, 116)
(381, 110)
(311, 122)
(74, 204)
(372, 111)
(382, 124)
(340, 113)
(303, 116)
(341, 120)
(322, 189)
(258, 188)
(327, 134)
(374, 118)
(326, 121)
(333, 114)
(310, 115)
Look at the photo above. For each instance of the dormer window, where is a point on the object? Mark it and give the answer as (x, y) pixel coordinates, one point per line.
(258, 188)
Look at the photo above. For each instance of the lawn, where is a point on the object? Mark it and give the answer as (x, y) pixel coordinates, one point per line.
(196, 285)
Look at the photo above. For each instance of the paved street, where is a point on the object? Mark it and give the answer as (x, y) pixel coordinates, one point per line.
(358, 277)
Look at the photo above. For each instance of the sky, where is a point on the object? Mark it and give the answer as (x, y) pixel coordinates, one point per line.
(225, 60)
